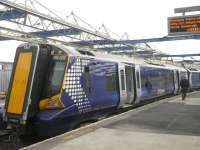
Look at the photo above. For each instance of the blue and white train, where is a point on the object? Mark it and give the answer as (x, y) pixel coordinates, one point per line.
(53, 88)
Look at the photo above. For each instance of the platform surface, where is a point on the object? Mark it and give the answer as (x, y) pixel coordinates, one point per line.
(168, 124)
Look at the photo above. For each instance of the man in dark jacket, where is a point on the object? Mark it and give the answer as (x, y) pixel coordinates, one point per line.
(184, 87)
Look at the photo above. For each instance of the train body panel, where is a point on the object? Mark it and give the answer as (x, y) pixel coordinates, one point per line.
(89, 85)
(156, 82)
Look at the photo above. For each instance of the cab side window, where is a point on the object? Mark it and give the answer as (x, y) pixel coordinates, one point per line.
(87, 79)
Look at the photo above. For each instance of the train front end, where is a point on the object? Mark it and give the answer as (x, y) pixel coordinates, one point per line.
(36, 83)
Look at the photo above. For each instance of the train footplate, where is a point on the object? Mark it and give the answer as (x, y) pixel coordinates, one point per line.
(18, 98)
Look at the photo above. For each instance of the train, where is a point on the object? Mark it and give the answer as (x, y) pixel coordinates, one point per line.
(55, 87)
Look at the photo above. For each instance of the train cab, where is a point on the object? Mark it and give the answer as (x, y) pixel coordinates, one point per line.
(36, 79)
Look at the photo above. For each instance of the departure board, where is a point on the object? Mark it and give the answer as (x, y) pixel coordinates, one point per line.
(184, 25)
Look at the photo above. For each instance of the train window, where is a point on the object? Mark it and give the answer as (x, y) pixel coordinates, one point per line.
(87, 69)
(138, 79)
(177, 74)
(111, 82)
(122, 79)
(87, 79)
(128, 73)
(55, 77)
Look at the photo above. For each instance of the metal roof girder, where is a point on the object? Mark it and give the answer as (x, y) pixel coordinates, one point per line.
(46, 17)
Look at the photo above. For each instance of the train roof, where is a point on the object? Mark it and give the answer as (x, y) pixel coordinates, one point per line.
(84, 52)
(134, 60)
(68, 49)
(115, 58)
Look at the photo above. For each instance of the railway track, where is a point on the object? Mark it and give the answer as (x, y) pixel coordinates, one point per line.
(11, 140)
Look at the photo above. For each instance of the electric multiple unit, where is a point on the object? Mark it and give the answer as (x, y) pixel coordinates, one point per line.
(53, 88)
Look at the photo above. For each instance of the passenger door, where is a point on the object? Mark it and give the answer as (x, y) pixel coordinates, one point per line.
(129, 71)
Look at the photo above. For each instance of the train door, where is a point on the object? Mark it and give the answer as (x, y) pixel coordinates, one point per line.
(176, 82)
(21, 83)
(26, 83)
(122, 84)
(138, 83)
(129, 71)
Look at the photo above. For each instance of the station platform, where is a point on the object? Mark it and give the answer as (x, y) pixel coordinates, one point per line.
(165, 124)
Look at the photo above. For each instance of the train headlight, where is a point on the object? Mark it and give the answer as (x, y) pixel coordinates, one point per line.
(51, 103)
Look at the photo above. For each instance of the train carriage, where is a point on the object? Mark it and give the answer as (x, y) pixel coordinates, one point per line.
(57, 86)
(53, 87)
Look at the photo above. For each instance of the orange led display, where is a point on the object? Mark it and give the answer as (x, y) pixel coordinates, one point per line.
(184, 25)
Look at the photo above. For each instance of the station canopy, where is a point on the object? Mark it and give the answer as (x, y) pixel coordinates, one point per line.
(31, 21)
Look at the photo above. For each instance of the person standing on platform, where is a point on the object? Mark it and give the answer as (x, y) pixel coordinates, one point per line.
(184, 87)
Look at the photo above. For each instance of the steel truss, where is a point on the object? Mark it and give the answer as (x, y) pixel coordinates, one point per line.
(30, 19)
(28, 24)
(25, 18)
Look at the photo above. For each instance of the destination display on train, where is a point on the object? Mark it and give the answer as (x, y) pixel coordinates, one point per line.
(184, 25)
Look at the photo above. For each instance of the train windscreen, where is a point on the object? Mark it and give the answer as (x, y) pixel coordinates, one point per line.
(54, 76)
